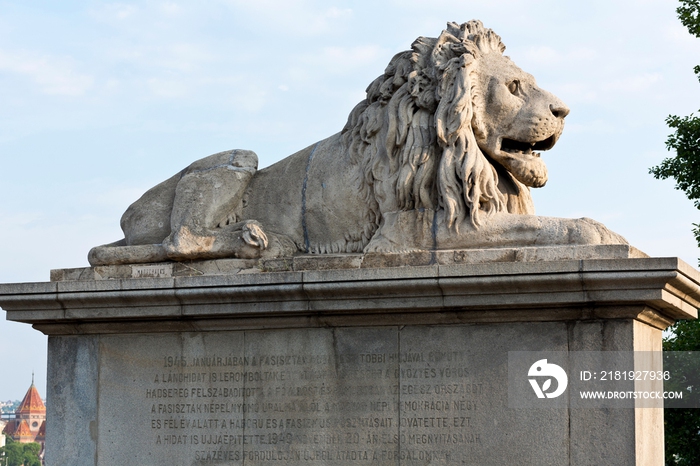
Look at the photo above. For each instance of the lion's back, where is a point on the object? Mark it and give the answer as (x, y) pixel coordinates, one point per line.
(312, 197)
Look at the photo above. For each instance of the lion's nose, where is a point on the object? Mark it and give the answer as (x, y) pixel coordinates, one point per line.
(559, 110)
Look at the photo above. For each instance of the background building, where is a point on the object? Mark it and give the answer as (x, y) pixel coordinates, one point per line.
(29, 423)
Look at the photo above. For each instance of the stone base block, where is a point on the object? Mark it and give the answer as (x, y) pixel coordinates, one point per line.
(385, 366)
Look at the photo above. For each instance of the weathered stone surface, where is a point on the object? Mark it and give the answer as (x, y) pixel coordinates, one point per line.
(388, 366)
(366, 395)
(440, 155)
(73, 370)
(519, 291)
(307, 262)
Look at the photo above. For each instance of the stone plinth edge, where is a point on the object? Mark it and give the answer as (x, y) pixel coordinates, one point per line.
(305, 262)
(655, 290)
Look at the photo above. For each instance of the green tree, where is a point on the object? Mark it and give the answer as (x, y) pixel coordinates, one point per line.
(20, 454)
(685, 140)
(682, 426)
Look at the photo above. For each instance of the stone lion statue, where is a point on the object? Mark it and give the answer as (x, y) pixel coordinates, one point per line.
(441, 154)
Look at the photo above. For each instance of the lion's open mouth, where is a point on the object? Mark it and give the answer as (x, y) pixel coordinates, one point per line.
(528, 148)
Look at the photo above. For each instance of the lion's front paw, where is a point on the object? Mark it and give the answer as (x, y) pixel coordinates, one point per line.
(253, 235)
(382, 245)
(185, 244)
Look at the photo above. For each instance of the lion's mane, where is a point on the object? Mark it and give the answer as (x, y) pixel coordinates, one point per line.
(414, 134)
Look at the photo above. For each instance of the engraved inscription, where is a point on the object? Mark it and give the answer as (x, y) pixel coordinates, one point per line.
(308, 396)
(152, 271)
(309, 400)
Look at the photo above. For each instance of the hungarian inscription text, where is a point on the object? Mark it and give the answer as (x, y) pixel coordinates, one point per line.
(312, 400)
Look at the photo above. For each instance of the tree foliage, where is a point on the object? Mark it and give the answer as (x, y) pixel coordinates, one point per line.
(682, 426)
(685, 140)
(685, 166)
(689, 14)
(20, 454)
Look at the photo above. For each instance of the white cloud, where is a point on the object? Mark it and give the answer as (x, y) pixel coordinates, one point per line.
(170, 8)
(678, 33)
(334, 60)
(169, 89)
(113, 198)
(352, 56)
(339, 12)
(543, 54)
(184, 56)
(597, 126)
(301, 18)
(633, 84)
(53, 75)
(251, 98)
(551, 56)
(114, 11)
(177, 56)
(21, 218)
(583, 54)
(575, 92)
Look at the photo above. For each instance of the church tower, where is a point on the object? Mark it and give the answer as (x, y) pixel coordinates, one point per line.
(30, 419)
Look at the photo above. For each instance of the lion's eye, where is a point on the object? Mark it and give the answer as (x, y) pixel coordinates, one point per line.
(513, 86)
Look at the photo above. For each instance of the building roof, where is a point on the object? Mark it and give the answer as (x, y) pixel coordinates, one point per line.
(23, 431)
(9, 428)
(32, 403)
(41, 436)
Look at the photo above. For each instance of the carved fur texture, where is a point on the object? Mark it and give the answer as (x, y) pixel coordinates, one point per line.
(419, 119)
(448, 135)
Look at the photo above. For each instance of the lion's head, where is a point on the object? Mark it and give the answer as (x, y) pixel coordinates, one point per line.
(454, 124)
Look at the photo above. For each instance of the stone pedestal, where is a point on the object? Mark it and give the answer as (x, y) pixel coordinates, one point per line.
(351, 359)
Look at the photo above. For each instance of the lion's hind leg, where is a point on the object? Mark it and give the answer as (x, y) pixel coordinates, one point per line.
(181, 217)
(208, 199)
(146, 223)
(120, 253)
(243, 240)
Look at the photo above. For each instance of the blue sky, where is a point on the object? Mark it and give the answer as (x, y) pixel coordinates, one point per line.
(100, 101)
